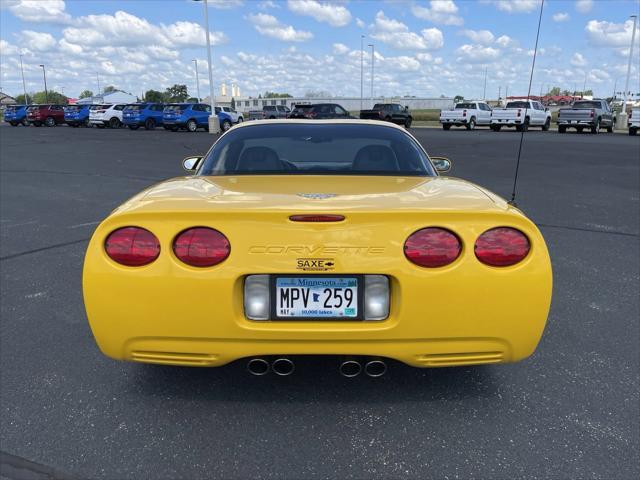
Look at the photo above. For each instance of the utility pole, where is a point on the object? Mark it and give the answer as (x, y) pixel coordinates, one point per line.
(626, 84)
(584, 86)
(98, 78)
(361, 70)
(484, 92)
(499, 90)
(197, 79)
(46, 94)
(373, 52)
(24, 85)
(214, 125)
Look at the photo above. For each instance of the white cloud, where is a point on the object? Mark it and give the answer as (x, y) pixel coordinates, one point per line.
(360, 23)
(397, 35)
(225, 4)
(597, 75)
(484, 37)
(505, 41)
(584, 6)
(402, 63)
(578, 60)
(516, 6)
(38, 11)
(8, 49)
(333, 14)
(607, 34)
(269, 26)
(38, 41)
(340, 48)
(190, 34)
(424, 57)
(444, 12)
(477, 53)
(560, 17)
(267, 4)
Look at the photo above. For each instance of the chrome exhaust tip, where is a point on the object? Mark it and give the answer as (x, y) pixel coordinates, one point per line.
(350, 368)
(375, 368)
(283, 367)
(258, 366)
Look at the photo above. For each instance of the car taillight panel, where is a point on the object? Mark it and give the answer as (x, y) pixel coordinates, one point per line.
(502, 247)
(132, 246)
(201, 247)
(432, 247)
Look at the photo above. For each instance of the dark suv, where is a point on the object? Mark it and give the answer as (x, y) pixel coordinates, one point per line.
(319, 111)
(48, 115)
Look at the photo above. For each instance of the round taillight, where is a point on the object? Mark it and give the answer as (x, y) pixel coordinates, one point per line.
(201, 247)
(132, 246)
(432, 247)
(502, 247)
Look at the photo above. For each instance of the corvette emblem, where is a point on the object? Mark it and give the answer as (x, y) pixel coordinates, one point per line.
(317, 196)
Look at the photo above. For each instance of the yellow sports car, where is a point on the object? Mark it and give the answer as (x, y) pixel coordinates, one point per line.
(336, 237)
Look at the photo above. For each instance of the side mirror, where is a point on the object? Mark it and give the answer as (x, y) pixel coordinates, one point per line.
(546, 109)
(442, 164)
(406, 107)
(190, 164)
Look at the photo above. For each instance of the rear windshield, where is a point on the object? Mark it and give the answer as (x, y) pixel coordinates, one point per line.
(269, 107)
(585, 104)
(465, 105)
(304, 149)
(517, 105)
(303, 107)
(98, 107)
(135, 107)
(35, 108)
(176, 107)
(72, 108)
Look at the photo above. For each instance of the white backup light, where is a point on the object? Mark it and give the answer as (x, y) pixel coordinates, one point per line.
(376, 297)
(256, 297)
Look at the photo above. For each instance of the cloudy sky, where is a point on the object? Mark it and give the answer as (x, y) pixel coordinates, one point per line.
(423, 48)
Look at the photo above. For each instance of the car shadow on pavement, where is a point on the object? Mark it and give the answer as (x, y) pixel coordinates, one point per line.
(315, 380)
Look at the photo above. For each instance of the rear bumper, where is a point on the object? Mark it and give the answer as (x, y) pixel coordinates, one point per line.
(506, 123)
(458, 121)
(576, 123)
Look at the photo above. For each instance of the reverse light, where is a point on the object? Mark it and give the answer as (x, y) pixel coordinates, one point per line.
(502, 247)
(132, 246)
(256, 297)
(201, 247)
(432, 247)
(376, 297)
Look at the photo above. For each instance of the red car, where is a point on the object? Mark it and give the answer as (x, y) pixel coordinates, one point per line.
(49, 115)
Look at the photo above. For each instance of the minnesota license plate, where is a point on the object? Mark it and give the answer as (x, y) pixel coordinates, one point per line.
(316, 296)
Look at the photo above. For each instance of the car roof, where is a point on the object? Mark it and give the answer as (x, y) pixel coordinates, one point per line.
(354, 121)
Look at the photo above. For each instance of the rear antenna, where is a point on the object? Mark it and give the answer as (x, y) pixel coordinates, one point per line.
(533, 65)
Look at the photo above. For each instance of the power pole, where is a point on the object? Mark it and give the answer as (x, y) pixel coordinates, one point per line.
(373, 52)
(626, 84)
(361, 70)
(24, 85)
(484, 92)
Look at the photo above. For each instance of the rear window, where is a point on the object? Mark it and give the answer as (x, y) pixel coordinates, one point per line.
(72, 109)
(98, 107)
(518, 105)
(465, 105)
(135, 107)
(269, 107)
(302, 108)
(34, 108)
(586, 105)
(176, 107)
(304, 149)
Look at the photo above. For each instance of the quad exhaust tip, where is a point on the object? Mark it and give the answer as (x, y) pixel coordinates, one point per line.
(258, 366)
(283, 367)
(350, 368)
(375, 368)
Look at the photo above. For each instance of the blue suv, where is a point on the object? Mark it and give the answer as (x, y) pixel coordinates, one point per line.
(192, 116)
(149, 115)
(76, 115)
(16, 115)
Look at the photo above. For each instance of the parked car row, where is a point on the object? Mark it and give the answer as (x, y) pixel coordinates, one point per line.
(172, 116)
(592, 115)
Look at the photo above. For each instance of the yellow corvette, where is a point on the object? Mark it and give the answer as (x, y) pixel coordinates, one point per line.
(335, 237)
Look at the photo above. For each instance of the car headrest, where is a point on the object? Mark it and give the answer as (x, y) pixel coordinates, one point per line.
(259, 159)
(376, 158)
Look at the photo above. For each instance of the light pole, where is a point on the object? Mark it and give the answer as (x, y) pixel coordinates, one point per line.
(98, 78)
(361, 69)
(24, 85)
(46, 94)
(484, 92)
(197, 79)
(373, 53)
(214, 125)
(626, 83)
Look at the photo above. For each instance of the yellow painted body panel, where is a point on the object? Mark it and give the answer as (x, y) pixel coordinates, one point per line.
(170, 313)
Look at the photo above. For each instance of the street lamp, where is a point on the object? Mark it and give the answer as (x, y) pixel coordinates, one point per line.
(24, 85)
(46, 94)
(214, 125)
(373, 51)
(197, 79)
(361, 69)
(626, 83)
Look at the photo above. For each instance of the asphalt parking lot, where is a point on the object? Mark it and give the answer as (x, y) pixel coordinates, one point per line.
(569, 411)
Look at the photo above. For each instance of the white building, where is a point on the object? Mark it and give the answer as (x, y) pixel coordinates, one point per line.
(117, 96)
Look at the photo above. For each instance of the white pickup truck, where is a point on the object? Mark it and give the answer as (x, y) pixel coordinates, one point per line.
(634, 121)
(467, 114)
(521, 114)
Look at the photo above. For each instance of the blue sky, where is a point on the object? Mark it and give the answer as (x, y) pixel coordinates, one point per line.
(423, 48)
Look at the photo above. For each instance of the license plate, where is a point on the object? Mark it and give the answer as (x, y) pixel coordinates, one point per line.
(317, 296)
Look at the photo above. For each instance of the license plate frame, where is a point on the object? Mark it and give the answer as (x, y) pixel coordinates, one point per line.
(273, 297)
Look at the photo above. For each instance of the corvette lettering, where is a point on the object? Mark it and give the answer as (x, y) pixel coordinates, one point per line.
(311, 250)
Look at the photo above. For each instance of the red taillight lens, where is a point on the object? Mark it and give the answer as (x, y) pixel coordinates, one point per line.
(201, 247)
(593, 113)
(502, 247)
(464, 113)
(432, 247)
(518, 114)
(132, 246)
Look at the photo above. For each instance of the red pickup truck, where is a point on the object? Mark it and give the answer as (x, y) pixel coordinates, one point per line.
(48, 115)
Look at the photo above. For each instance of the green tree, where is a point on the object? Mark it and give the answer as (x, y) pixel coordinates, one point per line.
(192, 100)
(51, 97)
(177, 93)
(458, 98)
(20, 100)
(268, 94)
(109, 89)
(554, 91)
(154, 96)
(86, 94)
